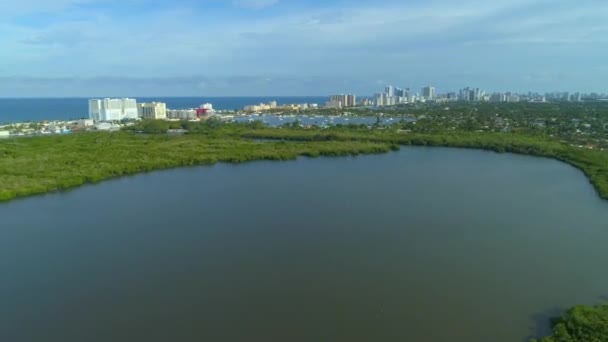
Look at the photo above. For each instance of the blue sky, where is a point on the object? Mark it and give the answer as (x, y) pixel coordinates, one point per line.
(293, 47)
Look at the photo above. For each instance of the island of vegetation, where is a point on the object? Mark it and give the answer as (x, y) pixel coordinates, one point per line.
(573, 134)
(580, 324)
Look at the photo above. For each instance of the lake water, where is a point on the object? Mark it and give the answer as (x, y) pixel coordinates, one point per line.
(425, 244)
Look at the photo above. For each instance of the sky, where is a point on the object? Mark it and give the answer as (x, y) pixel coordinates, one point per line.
(68, 48)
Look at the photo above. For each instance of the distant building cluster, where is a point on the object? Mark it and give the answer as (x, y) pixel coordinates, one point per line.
(112, 110)
(341, 101)
(191, 113)
(261, 107)
(394, 96)
(181, 114)
(273, 105)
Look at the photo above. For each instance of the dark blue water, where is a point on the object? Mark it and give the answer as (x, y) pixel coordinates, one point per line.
(422, 245)
(30, 109)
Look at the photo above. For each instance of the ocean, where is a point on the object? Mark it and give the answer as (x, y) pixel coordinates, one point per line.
(39, 109)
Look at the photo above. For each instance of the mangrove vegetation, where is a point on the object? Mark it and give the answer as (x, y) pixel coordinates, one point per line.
(36, 165)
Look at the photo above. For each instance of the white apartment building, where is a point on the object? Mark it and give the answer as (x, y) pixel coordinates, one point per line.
(182, 114)
(112, 109)
(153, 110)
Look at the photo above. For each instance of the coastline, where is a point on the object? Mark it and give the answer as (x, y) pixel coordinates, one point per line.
(39, 165)
(593, 163)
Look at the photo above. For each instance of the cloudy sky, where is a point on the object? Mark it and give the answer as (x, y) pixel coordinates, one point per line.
(297, 47)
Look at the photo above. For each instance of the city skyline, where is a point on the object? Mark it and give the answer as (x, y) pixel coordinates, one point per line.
(286, 48)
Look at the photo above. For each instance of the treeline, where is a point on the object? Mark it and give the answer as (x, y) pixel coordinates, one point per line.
(38, 165)
(592, 162)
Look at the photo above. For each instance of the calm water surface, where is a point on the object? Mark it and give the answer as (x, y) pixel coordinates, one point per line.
(419, 245)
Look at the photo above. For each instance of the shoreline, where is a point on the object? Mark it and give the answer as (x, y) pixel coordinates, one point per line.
(159, 152)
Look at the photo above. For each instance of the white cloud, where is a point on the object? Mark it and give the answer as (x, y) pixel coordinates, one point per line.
(395, 40)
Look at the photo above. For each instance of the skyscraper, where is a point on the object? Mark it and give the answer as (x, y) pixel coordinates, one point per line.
(429, 93)
(389, 91)
(339, 101)
(351, 100)
(379, 99)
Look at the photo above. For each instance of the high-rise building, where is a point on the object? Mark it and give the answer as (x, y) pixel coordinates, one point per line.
(378, 100)
(113, 109)
(153, 110)
(429, 93)
(389, 91)
(351, 100)
(469, 94)
(339, 101)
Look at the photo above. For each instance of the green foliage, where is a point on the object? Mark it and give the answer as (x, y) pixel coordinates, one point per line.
(580, 324)
(41, 164)
(593, 163)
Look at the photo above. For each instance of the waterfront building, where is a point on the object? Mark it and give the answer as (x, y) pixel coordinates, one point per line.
(204, 110)
(153, 110)
(182, 114)
(351, 100)
(113, 109)
(342, 100)
(257, 108)
(261, 107)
